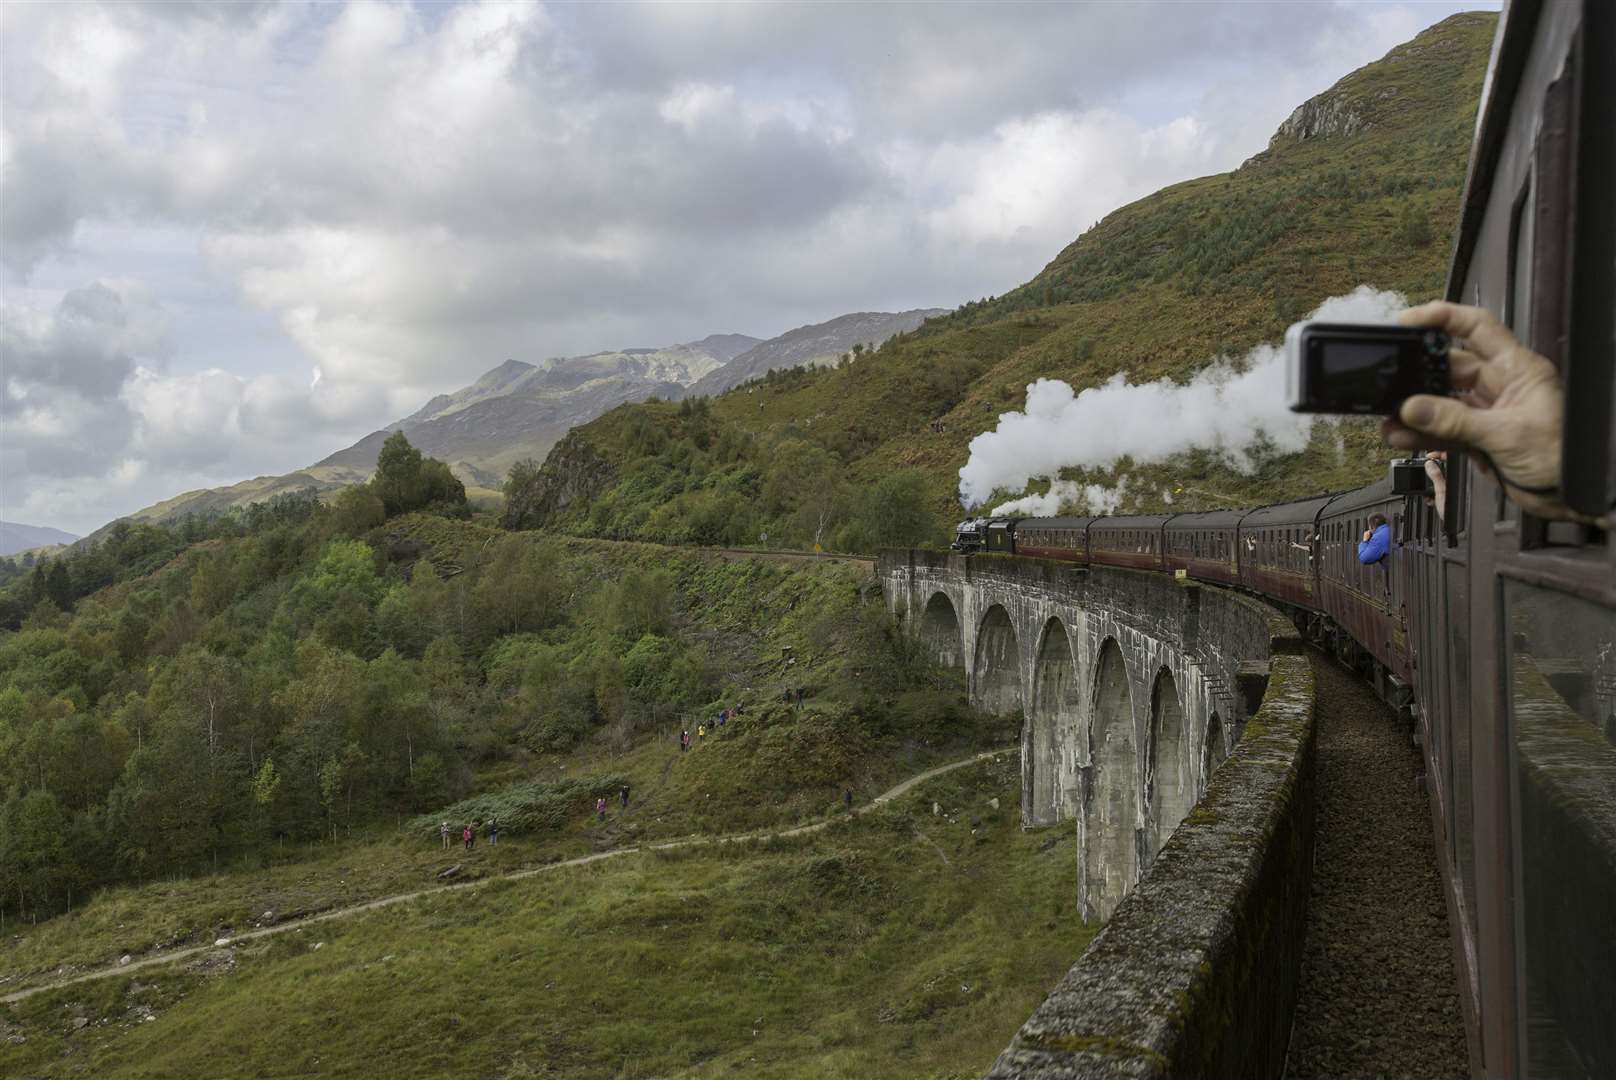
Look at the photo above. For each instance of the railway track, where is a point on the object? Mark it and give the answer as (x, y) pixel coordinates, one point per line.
(1378, 994)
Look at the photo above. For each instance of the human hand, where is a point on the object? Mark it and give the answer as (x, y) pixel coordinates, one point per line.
(1509, 406)
(1368, 533)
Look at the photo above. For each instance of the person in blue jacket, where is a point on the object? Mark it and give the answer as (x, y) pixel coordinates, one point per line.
(1377, 540)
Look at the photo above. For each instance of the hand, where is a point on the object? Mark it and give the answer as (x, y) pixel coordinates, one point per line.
(1367, 534)
(1509, 406)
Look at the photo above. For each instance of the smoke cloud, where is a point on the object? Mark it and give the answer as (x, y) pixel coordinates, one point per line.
(1228, 407)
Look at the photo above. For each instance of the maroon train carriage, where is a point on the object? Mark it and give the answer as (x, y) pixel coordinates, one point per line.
(1127, 541)
(1366, 602)
(1064, 538)
(1203, 545)
(1277, 549)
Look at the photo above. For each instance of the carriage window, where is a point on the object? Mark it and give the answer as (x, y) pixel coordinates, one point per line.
(1561, 675)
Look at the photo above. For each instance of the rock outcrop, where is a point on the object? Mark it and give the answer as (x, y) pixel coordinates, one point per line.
(573, 470)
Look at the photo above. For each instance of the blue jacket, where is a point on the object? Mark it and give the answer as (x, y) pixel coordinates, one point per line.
(1374, 549)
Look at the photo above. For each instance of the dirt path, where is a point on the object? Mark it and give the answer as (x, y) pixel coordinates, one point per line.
(1378, 994)
(387, 901)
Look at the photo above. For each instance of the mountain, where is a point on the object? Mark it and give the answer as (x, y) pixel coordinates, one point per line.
(1359, 186)
(821, 343)
(519, 410)
(15, 538)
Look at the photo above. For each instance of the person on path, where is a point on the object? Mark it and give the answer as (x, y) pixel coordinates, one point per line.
(624, 793)
(684, 741)
(468, 836)
(493, 830)
(847, 797)
(600, 808)
(443, 830)
(701, 732)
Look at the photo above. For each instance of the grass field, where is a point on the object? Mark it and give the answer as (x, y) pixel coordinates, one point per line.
(901, 943)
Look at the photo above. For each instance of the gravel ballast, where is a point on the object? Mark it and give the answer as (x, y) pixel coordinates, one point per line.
(1378, 993)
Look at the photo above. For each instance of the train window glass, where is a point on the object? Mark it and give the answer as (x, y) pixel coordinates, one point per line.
(1561, 679)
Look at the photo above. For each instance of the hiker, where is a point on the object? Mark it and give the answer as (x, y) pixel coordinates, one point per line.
(443, 830)
(493, 830)
(600, 808)
(468, 836)
(684, 741)
(701, 732)
(847, 797)
(625, 796)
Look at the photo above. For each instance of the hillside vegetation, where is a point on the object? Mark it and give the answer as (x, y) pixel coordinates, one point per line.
(1360, 186)
(308, 673)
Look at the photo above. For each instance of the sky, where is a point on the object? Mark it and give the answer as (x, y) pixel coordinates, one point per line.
(235, 238)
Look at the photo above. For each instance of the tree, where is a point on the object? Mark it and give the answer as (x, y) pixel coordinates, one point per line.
(517, 590)
(59, 585)
(266, 783)
(893, 513)
(406, 481)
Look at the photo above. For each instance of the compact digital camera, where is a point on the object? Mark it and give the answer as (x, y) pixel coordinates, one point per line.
(1362, 367)
(1407, 476)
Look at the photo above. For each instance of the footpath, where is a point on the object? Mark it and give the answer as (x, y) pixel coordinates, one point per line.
(173, 955)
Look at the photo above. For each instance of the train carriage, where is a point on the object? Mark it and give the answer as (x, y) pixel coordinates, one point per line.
(1277, 547)
(1367, 601)
(1064, 538)
(1521, 612)
(1127, 541)
(1203, 545)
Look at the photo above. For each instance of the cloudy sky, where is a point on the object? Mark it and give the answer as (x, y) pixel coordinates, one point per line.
(236, 237)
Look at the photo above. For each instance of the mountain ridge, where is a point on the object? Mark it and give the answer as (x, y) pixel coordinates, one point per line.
(16, 538)
(517, 409)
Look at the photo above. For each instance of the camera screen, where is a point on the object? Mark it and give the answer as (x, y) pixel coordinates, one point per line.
(1365, 374)
(1359, 368)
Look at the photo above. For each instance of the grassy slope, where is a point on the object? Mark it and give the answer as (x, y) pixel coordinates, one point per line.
(1161, 287)
(745, 609)
(897, 944)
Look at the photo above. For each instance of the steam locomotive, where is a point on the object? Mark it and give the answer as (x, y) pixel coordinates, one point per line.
(1492, 630)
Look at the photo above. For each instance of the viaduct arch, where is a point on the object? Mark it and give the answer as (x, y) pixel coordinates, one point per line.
(1132, 688)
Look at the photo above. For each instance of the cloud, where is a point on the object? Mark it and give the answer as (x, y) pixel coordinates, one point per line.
(86, 403)
(1229, 407)
(405, 195)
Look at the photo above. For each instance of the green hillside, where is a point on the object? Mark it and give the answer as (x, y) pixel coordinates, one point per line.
(1360, 187)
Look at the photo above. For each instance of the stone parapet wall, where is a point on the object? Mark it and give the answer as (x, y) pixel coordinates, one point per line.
(1195, 973)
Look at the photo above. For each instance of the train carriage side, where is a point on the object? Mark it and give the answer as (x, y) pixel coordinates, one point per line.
(1367, 600)
(1277, 547)
(1127, 541)
(1203, 545)
(1064, 538)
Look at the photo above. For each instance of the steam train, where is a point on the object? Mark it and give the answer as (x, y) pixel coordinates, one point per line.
(1301, 555)
(1493, 631)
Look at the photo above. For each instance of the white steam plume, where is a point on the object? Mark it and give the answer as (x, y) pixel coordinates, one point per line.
(1224, 408)
(1080, 498)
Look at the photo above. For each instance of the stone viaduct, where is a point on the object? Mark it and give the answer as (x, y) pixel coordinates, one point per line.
(1134, 687)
